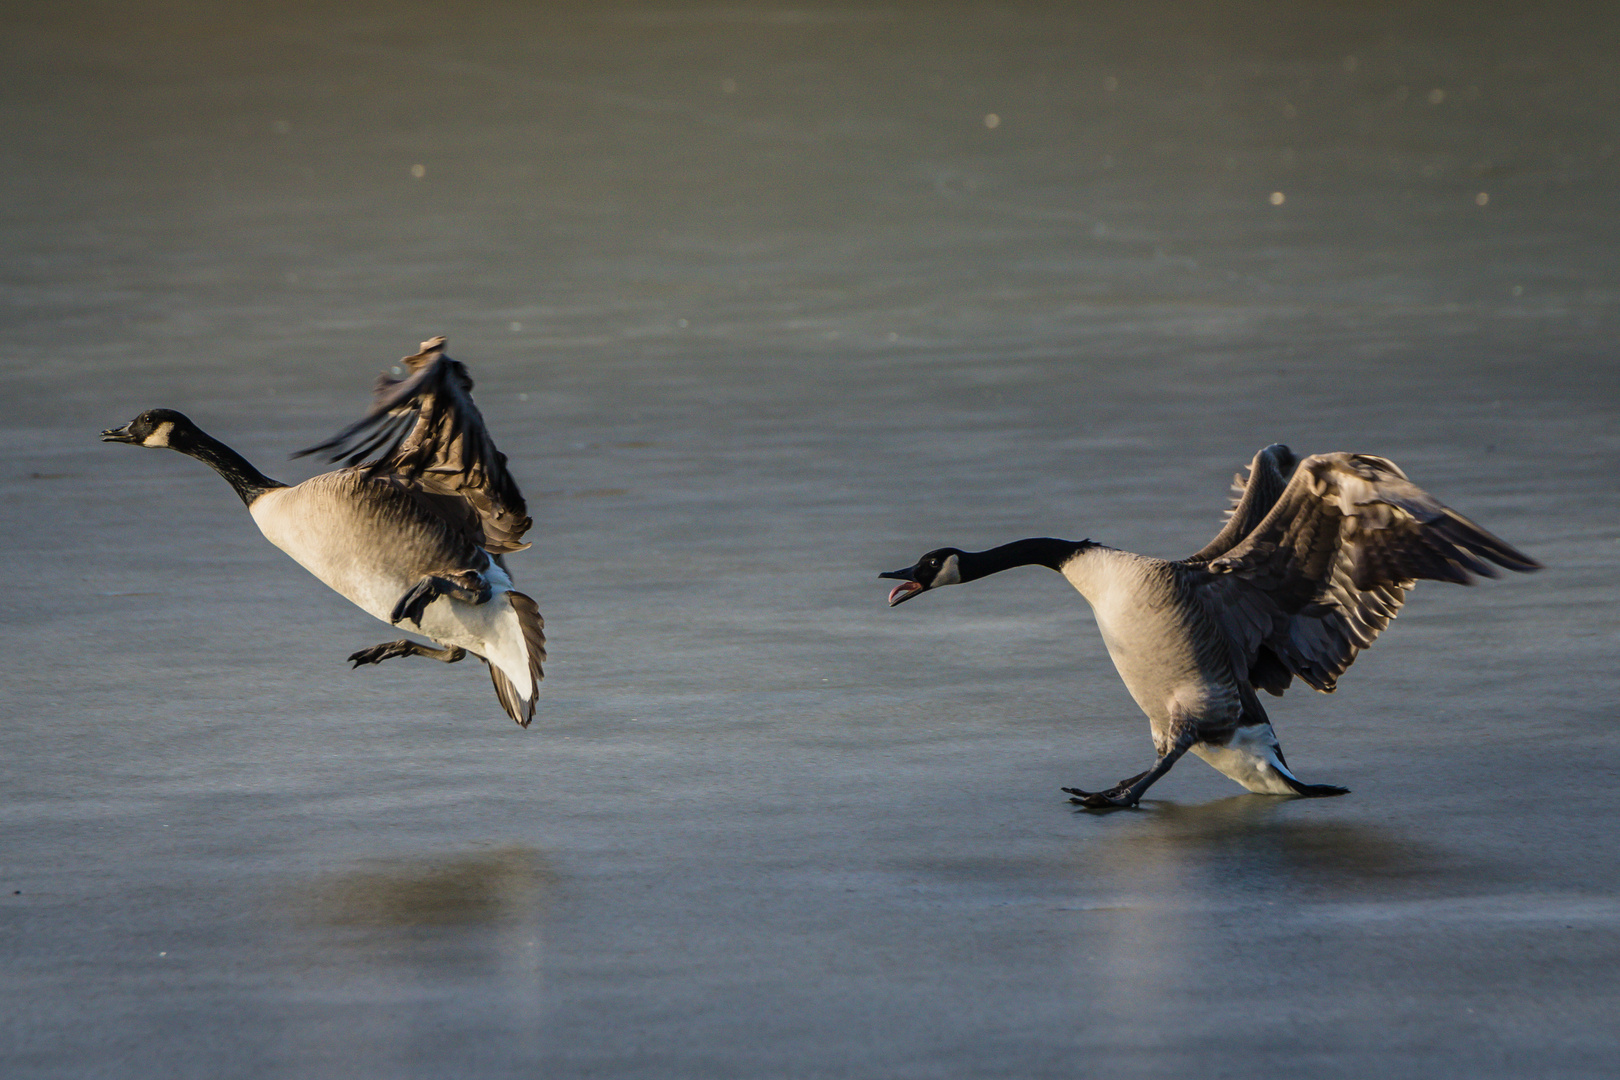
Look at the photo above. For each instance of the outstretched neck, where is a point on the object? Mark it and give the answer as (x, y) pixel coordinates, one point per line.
(1035, 551)
(249, 482)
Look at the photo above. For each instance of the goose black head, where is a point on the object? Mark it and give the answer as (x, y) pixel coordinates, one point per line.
(154, 427)
(941, 566)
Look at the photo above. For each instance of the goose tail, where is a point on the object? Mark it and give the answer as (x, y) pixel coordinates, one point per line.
(517, 681)
(1253, 757)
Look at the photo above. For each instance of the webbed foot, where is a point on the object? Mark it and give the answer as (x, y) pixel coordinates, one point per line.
(1318, 791)
(1119, 797)
(468, 586)
(415, 602)
(378, 653)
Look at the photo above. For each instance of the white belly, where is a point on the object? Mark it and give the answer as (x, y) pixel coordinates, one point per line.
(353, 570)
(1149, 637)
(1152, 652)
(365, 576)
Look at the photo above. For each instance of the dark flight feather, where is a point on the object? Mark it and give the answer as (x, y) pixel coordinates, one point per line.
(424, 431)
(1318, 558)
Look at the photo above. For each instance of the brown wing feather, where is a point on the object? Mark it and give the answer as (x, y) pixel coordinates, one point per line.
(1252, 499)
(1323, 573)
(424, 430)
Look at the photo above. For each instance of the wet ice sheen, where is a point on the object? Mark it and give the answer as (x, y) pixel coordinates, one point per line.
(765, 826)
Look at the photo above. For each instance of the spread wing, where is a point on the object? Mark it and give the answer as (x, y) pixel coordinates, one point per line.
(1320, 576)
(424, 431)
(1252, 499)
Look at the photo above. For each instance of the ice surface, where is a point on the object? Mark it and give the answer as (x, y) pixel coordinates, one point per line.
(761, 303)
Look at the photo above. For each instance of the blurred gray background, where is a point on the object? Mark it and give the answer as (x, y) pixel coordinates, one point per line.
(763, 299)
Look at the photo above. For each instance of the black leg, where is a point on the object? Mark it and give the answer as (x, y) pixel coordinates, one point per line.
(389, 649)
(1129, 792)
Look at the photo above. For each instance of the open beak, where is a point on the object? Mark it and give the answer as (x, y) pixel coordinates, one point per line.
(907, 588)
(119, 435)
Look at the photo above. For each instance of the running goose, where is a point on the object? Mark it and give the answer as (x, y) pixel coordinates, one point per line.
(413, 530)
(1315, 559)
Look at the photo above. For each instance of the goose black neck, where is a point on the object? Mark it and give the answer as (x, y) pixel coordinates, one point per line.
(1035, 551)
(249, 482)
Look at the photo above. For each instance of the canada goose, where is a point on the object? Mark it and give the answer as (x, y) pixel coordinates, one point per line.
(414, 535)
(1314, 561)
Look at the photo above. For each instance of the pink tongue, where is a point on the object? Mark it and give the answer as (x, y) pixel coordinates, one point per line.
(901, 590)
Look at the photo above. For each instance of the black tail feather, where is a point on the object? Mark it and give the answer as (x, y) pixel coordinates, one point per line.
(534, 638)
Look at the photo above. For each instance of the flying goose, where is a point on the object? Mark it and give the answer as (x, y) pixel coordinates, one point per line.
(1315, 559)
(413, 530)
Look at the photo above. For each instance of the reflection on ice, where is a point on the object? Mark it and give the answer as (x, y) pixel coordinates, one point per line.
(841, 850)
(504, 886)
(385, 949)
(1202, 888)
(1268, 844)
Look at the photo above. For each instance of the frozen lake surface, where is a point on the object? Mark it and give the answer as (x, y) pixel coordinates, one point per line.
(762, 300)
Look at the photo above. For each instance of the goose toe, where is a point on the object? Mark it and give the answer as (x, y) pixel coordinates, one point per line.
(1116, 798)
